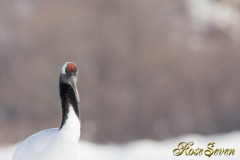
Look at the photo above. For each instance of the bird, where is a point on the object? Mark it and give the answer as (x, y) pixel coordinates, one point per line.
(57, 143)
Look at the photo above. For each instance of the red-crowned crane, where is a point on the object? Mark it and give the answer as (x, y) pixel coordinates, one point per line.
(58, 143)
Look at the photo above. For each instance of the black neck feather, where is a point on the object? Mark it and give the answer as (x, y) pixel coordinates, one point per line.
(68, 98)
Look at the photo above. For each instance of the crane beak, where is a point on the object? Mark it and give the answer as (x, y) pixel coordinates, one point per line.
(73, 81)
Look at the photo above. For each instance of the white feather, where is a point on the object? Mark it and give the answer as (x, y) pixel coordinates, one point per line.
(52, 144)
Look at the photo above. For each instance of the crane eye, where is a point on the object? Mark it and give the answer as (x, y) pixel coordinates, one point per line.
(71, 72)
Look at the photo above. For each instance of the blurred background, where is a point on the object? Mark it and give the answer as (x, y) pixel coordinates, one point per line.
(147, 69)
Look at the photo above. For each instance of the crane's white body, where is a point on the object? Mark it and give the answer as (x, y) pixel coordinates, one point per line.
(53, 144)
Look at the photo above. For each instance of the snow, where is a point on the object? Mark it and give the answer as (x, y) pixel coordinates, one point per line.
(150, 150)
(222, 14)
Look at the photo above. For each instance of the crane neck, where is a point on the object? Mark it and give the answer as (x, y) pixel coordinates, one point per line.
(69, 105)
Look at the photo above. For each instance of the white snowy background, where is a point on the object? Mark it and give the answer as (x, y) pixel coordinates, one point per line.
(151, 150)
